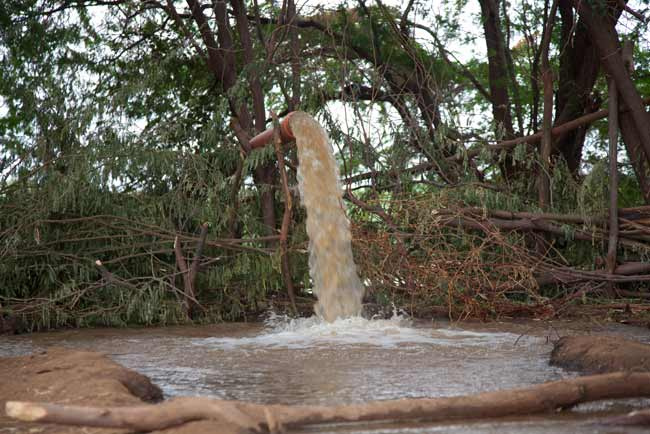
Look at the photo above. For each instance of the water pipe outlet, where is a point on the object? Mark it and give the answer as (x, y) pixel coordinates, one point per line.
(266, 137)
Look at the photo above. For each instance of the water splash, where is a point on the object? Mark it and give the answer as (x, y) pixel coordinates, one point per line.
(331, 265)
(300, 333)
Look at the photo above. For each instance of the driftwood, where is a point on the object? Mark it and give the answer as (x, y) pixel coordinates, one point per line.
(535, 399)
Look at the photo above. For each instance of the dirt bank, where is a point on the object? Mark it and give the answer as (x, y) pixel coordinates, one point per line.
(600, 354)
(72, 377)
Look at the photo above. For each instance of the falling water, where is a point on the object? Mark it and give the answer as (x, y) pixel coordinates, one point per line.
(331, 266)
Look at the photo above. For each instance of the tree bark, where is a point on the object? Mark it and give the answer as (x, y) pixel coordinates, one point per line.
(640, 162)
(613, 176)
(294, 43)
(634, 120)
(497, 76)
(579, 66)
(544, 179)
(264, 176)
(223, 65)
(606, 40)
(497, 66)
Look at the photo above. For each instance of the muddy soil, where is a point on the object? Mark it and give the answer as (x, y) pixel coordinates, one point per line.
(600, 354)
(74, 377)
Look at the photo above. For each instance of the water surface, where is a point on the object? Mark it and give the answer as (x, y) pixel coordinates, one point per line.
(308, 361)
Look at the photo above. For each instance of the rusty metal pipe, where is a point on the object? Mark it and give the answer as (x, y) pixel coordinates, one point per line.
(266, 137)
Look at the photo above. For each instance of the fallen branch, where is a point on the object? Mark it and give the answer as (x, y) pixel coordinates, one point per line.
(624, 214)
(535, 399)
(528, 225)
(628, 272)
(141, 418)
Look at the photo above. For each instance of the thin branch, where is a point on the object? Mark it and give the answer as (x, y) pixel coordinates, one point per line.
(187, 283)
(196, 261)
(286, 217)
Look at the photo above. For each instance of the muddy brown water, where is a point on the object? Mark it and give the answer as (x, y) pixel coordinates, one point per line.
(309, 362)
(331, 265)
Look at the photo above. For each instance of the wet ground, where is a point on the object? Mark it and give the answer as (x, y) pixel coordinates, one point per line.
(306, 362)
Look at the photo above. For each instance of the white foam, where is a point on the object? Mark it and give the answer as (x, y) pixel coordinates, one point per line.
(284, 332)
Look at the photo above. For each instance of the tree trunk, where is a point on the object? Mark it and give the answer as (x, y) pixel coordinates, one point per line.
(220, 57)
(497, 66)
(613, 177)
(635, 153)
(635, 120)
(498, 76)
(606, 40)
(544, 178)
(579, 66)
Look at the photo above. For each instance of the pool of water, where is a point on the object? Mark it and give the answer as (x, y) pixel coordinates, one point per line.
(309, 362)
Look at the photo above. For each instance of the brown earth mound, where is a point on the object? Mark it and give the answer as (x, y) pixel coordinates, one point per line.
(600, 354)
(69, 377)
(72, 377)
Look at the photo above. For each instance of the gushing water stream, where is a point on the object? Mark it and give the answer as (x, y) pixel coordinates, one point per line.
(331, 266)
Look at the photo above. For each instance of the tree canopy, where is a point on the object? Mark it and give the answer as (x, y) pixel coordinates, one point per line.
(124, 127)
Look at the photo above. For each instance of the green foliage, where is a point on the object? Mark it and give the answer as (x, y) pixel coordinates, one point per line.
(55, 230)
(115, 138)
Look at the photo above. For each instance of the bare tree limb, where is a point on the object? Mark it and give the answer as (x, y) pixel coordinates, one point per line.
(547, 119)
(286, 218)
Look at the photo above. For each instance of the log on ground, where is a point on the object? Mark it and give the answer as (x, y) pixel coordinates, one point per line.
(254, 417)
